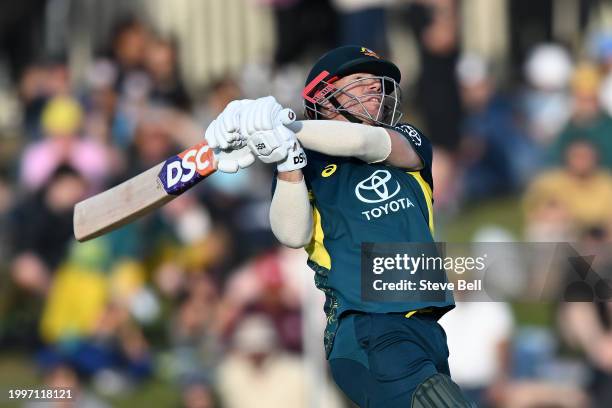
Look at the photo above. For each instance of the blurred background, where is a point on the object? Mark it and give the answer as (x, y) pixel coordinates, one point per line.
(197, 305)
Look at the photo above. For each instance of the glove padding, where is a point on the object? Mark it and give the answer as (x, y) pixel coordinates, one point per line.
(232, 160)
(262, 123)
(223, 135)
(224, 131)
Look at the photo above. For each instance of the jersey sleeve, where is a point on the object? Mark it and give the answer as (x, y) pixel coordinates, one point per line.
(421, 145)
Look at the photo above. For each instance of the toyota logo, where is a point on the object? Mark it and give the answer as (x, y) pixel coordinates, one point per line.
(376, 186)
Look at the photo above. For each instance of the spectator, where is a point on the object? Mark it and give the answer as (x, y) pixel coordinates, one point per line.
(495, 152)
(39, 83)
(129, 46)
(161, 64)
(42, 229)
(546, 105)
(578, 193)
(61, 122)
(354, 15)
(101, 102)
(588, 120)
(151, 145)
(436, 27)
(294, 30)
(584, 321)
(195, 330)
(267, 286)
(265, 376)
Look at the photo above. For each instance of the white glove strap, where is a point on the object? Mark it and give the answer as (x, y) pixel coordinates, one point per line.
(296, 159)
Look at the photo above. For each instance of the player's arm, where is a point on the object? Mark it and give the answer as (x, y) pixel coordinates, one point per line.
(402, 153)
(290, 211)
(262, 125)
(368, 143)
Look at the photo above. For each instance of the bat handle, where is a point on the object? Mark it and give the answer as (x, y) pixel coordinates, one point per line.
(287, 116)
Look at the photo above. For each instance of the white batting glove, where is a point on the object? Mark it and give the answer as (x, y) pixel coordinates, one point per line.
(230, 161)
(296, 159)
(223, 135)
(224, 131)
(262, 123)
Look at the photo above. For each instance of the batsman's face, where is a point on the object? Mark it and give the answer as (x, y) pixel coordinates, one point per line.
(360, 93)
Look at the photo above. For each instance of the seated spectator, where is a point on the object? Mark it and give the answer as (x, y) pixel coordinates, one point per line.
(161, 63)
(128, 48)
(580, 192)
(584, 321)
(546, 105)
(256, 366)
(496, 154)
(61, 123)
(41, 229)
(588, 120)
(39, 83)
(267, 285)
(194, 331)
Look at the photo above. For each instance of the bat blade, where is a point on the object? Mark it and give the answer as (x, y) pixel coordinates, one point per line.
(143, 193)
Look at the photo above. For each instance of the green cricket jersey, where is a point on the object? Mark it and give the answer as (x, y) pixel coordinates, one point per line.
(355, 202)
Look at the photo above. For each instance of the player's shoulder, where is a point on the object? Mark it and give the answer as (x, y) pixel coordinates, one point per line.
(411, 132)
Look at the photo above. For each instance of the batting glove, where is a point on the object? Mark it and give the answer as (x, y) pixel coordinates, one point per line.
(229, 146)
(262, 123)
(224, 131)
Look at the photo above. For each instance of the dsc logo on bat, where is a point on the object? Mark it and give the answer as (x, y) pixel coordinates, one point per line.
(182, 171)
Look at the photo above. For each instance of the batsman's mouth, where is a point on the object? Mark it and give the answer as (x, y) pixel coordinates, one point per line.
(372, 100)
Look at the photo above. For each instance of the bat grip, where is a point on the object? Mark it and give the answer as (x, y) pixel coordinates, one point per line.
(287, 116)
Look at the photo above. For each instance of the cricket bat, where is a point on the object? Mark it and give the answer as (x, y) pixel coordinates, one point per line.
(143, 193)
(147, 191)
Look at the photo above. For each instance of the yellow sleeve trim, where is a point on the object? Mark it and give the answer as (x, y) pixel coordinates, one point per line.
(409, 314)
(428, 197)
(316, 249)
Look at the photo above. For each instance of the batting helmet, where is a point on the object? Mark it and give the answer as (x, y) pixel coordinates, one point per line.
(343, 61)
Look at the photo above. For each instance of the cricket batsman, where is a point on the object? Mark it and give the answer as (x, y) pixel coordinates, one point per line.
(352, 174)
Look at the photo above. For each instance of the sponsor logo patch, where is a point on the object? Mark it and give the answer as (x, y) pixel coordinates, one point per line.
(299, 159)
(329, 170)
(412, 133)
(379, 189)
(374, 189)
(179, 173)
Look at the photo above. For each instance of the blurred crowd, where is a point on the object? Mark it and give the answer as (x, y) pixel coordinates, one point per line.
(201, 296)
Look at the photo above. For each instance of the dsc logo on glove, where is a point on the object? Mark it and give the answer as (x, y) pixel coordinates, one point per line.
(300, 158)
